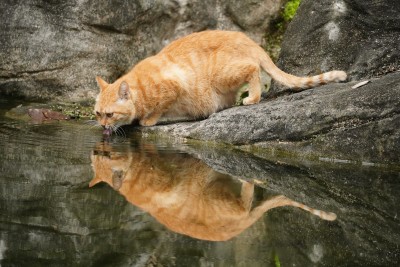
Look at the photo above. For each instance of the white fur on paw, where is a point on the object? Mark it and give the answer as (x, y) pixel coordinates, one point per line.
(248, 101)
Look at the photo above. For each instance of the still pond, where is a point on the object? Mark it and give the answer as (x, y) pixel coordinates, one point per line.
(70, 198)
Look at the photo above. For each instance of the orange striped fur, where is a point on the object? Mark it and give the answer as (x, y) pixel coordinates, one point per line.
(194, 77)
(185, 194)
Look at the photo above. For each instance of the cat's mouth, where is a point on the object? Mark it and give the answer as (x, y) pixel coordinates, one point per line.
(107, 132)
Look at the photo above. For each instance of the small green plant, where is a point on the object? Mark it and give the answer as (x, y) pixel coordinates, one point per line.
(278, 27)
(277, 261)
(290, 10)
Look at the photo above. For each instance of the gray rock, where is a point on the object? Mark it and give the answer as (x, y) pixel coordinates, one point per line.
(55, 49)
(332, 121)
(250, 15)
(358, 36)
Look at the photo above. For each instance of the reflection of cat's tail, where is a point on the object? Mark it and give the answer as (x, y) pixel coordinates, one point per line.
(280, 201)
(294, 82)
(329, 216)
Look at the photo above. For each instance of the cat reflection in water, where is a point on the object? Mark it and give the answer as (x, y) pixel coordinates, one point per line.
(185, 194)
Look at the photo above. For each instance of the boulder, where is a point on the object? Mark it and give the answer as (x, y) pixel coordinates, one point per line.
(358, 36)
(54, 50)
(333, 121)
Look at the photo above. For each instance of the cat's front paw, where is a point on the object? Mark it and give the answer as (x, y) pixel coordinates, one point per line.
(148, 122)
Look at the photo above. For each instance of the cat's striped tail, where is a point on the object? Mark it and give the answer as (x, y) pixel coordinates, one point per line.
(295, 82)
(329, 216)
(281, 201)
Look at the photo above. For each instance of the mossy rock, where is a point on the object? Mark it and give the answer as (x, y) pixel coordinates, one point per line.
(82, 110)
(274, 36)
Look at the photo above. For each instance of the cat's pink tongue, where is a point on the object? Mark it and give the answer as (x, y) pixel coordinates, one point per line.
(107, 132)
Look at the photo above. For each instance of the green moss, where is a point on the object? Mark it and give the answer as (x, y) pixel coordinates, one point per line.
(76, 110)
(242, 94)
(290, 9)
(81, 110)
(278, 27)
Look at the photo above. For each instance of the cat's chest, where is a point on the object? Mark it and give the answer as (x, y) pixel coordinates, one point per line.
(167, 199)
(177, 196)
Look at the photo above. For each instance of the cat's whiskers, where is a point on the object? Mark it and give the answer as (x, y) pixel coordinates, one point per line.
(118, 130)
(121, 130)
(93, 124)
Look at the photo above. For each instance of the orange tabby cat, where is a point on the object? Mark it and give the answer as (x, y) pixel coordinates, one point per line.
(184, 194)
(194, 77)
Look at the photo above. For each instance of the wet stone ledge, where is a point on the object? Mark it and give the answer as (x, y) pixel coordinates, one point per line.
(332, 121)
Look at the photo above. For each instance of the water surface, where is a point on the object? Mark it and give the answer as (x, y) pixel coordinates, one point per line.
(70, 198)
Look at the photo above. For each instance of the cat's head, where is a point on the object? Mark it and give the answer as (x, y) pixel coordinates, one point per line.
(114, 104)
(109, 166)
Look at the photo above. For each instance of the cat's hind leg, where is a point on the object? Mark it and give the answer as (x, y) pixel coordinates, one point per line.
(236, 74)
(246, 194)
(254, 89)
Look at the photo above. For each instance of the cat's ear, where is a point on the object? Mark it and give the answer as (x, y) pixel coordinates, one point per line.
(124, 92)
(102, 83)
(94, 181)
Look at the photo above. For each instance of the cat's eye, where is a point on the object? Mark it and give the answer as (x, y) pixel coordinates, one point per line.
(109, 115)
(98, 114)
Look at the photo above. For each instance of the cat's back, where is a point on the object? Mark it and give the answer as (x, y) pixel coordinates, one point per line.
(206, 42)
(186, 56)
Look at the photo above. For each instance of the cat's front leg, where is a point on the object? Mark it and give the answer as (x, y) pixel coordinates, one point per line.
(150, 120)
(169, 91)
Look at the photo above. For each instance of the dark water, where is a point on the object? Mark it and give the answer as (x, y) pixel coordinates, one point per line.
(49, 216)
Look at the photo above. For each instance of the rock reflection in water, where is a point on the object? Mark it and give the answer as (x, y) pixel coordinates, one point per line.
(185, 194)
